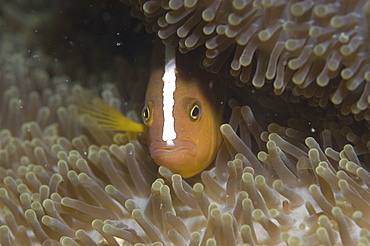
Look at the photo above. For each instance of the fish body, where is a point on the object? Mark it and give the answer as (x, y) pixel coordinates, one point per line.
(182, 113)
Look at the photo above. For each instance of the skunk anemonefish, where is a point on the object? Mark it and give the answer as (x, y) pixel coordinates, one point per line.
(182, 114)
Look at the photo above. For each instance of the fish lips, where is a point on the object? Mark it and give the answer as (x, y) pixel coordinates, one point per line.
(181, 148)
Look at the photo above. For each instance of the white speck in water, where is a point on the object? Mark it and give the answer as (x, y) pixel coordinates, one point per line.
(210, 85)
(313, 129)
(343, 38)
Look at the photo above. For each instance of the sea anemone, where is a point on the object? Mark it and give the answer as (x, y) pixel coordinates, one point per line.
(315, 49)
(275, 181)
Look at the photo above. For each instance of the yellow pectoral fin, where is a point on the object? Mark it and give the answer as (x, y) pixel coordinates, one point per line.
(104, 116)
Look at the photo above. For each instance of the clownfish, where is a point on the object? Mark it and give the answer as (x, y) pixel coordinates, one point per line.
(182, 114)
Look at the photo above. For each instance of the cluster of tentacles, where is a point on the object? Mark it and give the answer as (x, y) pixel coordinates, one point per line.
(66, 183)
(315, 49)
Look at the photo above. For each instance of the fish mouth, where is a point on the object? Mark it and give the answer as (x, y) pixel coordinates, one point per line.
(179, 145)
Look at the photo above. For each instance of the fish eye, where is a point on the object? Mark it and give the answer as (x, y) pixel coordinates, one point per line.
(146, 115)
(195, 112)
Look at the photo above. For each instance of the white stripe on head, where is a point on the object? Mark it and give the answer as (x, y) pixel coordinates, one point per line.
(169, 87)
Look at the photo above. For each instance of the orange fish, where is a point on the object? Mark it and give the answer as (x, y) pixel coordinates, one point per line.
(182, 113)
